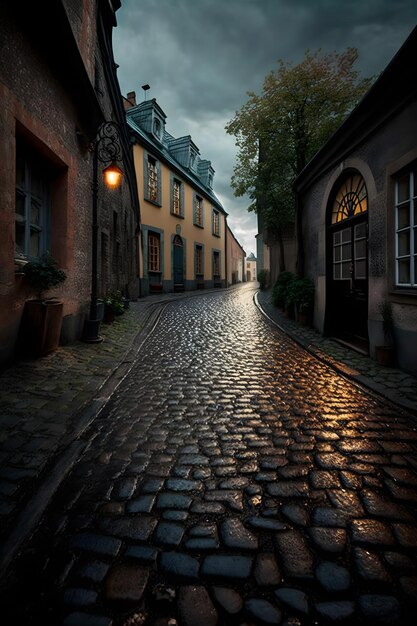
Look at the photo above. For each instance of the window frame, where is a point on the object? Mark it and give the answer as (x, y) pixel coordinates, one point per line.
(155, 169)
(199, 262)
(216, 255)
(411, 228)
(177, 181)
(26, 191)
(198, 201)
(154, 249)
(216, 231)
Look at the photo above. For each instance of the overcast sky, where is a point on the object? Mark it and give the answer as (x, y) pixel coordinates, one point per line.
(201, 57)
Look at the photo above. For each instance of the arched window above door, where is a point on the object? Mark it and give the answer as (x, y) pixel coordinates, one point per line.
(351, 199)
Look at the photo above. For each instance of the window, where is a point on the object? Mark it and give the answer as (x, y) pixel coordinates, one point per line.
(342, 254)
(406, 229)
(192, 160)
(351, 199)
(157, 128)
(198, 211)
(152, 180)
(199, 266)
(216, 264)
(32, 205)
(177, 197)
(216, 223)
(154, 252)
(176, 200)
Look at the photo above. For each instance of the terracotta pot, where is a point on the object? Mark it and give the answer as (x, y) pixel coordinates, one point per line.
(109, 315)
(41, 327)
(385, 355)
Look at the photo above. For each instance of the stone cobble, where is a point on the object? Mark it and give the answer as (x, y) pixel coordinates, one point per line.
(232, 479)
(41, 399)
(393, 383)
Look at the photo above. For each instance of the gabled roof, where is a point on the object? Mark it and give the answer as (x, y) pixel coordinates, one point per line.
(393, 89)
(161, 152)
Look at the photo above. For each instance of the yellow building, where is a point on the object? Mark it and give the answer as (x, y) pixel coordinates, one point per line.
(183, 224)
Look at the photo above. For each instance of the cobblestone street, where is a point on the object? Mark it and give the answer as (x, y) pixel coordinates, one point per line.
(232, 479)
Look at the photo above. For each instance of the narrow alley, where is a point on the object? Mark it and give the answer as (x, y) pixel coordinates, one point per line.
(232, 478)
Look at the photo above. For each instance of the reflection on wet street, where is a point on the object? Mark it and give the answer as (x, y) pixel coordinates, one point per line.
(232, 479)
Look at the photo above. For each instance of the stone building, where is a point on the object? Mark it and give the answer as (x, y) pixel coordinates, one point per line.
(251, 267)
(235, 259)
(58, 84)
(183, 224)
(357, 217)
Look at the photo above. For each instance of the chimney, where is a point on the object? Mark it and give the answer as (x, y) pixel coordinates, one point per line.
(130, 100)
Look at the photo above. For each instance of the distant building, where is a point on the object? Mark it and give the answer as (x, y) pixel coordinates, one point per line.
(357, 212)
(251, 267)
(235, 260)
(183, 231)
(58, 84)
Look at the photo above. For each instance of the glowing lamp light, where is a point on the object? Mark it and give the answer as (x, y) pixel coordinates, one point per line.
(112, 175)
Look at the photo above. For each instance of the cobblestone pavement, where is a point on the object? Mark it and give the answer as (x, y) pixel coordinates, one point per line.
(392, 383)
(232, 478)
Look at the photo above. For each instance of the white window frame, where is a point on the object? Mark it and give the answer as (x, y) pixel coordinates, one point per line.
(411, 228)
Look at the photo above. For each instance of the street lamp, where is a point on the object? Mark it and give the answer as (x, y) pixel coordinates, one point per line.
(106, 150)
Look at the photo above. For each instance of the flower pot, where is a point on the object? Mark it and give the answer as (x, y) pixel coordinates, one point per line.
(385, 355)
(304, 318)
(41, 327)
(109, 315)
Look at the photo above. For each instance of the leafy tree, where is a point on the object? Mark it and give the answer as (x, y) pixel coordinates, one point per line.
(278, 132)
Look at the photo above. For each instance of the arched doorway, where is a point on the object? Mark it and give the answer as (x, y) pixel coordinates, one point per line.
(347, 262)
(178, 263)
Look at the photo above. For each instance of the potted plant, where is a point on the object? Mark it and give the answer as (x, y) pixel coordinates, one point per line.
(114, 305)
(303, 296)
(385, 354)
(42, 318)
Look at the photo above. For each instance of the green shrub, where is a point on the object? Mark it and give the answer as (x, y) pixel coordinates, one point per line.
(281, 287)
(262, 278)
(302, 294)
(44, 273)
(115, 302)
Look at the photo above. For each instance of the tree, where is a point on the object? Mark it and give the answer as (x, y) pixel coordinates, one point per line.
(278, 132)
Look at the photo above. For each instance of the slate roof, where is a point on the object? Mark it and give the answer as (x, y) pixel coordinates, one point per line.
(160, 150)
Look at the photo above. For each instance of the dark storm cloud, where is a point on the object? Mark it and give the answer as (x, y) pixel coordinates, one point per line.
(201, 57)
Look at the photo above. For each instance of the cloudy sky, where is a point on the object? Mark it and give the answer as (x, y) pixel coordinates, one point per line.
(201, 57)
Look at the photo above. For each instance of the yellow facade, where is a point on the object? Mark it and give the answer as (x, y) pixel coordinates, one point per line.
(160, 219)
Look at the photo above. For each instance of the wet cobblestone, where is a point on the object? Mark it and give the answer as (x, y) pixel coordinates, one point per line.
(232, 479)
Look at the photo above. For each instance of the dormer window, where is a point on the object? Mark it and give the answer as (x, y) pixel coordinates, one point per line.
(210, 181)
(157, 128)
(192, 160)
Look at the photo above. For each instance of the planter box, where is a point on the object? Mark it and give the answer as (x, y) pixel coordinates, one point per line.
(41, 327)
